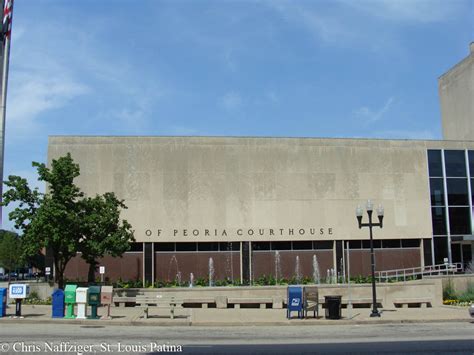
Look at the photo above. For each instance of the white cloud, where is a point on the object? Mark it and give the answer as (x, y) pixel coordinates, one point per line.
(40, 80)
(231, 101)
(355, 22)
(33, 93)
(369, 115)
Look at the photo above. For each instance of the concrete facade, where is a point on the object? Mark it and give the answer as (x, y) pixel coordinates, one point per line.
(456, 92)
(176, 188)
(224, 189)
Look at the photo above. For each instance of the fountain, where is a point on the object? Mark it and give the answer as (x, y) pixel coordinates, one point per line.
(277, 266)
(173, 268)
(191, 280)
(211, 272)
(328, 276)
(178, 278)
(316, 275)
(297, 269)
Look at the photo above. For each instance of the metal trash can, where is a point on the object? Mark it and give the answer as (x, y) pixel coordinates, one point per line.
(333, 307)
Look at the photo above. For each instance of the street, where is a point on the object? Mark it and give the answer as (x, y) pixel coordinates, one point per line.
(439, 338)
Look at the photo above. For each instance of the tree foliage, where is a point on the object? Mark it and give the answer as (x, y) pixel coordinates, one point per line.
(10, 255)
(103, 233)
(63, 220)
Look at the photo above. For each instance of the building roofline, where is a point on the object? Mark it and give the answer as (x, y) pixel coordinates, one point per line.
(462, 62)
(259, 137)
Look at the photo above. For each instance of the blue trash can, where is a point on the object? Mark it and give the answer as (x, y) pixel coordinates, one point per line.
(58, 303)
(3, 302)
(295, 301)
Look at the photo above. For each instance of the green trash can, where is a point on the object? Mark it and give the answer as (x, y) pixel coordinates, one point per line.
(70, 300)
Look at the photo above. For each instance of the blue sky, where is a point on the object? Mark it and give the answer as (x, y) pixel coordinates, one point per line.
(342, 68)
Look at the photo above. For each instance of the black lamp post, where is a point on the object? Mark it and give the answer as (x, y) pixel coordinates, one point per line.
(359, 212)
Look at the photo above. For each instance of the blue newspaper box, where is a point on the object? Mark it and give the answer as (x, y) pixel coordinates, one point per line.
(58, 303)
(3, 302)
(295, 301)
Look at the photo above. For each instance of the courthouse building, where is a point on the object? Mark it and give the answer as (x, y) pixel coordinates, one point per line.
(249, 202)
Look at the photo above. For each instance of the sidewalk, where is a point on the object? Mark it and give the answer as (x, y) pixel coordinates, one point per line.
(228, 317)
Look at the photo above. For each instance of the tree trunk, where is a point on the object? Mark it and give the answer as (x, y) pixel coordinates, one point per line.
(59, 273)
(91, 273)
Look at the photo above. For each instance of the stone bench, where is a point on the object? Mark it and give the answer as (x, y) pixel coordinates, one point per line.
(262, 301)
(204, 302)
(159, 301)
(405, 302)
(122, 300)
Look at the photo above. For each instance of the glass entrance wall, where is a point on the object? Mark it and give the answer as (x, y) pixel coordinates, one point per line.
(452, 198)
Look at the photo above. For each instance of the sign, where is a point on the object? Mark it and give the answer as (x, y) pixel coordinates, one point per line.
(295, 302)
(19, 290)
(240, 233)
(101, 270)
(47, 270)
(446, 261)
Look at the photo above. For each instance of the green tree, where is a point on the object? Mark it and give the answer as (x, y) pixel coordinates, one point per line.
(10, 255)
(103, 232)
(63, 221)
(50, 220)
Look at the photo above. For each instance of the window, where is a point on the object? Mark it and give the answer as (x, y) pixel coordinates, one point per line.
(323, 245)
(377, 244)
(471, 162)
(230, 246)
(164, 246)
(391, 243)
(136, 247)
(457, 192)
(440, 249)
(439, 221)
(213, 246)
(410, 243)
(472, 191)
(437, 191)
(459, 220)
(456, 252)
(455, 163)
(355, 244)
(303, 245)
(186, 247)
(435, 167)
(261, 246)
(281, 245)
(427, 251)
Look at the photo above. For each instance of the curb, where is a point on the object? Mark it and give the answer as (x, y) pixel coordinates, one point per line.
(322, 322)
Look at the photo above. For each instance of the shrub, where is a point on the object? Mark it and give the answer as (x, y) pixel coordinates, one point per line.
(448, 291)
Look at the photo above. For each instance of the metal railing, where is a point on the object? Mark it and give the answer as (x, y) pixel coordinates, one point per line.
(441, 269)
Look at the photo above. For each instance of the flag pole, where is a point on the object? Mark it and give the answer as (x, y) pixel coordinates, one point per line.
(6, 34)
